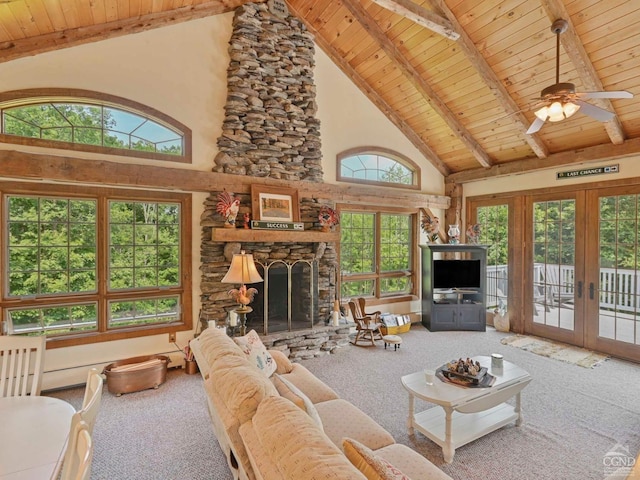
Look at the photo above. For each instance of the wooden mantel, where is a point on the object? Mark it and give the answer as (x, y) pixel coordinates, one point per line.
(46, 167)
(259, 236)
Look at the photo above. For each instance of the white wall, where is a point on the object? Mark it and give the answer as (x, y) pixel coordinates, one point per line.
(629, 168)
(180, 70)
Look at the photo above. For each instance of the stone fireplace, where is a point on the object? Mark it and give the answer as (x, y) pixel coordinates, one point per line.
(270, 130)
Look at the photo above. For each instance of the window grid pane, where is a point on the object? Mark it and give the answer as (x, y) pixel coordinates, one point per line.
(144, 245)
(52, 246)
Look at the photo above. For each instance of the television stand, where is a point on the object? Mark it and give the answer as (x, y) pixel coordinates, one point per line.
(453, 308)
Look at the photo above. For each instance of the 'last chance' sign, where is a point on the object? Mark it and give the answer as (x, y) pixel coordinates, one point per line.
(588, 171)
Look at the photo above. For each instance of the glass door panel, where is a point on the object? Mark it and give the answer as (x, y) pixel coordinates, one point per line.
(614, 288)
(553, 274)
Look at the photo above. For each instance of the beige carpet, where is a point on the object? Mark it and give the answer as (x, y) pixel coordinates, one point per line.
(556, 350)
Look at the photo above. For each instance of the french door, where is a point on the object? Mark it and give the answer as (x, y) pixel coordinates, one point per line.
(583, 268)
(555, 247)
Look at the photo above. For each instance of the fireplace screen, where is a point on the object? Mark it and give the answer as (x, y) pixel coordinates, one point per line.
(288, 298)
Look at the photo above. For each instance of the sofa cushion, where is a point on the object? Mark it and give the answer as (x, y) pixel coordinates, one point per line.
(312, 386)
(240, 385)
(372, 466)
(283, 363)
(282, 436)
(215, 344)
(256, 352)
(289, 391)
(342, 419)
(412, 464)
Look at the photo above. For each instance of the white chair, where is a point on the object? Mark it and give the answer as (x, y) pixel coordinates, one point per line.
(21, 365)
(92, 398)
(77, 459)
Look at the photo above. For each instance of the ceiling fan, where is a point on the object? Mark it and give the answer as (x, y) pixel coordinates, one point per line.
(560, 101)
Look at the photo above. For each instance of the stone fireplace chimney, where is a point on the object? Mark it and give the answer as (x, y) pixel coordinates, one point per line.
(270, 129)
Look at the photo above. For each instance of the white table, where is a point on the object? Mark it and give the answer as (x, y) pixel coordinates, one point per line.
(33, 436)
(467, 413)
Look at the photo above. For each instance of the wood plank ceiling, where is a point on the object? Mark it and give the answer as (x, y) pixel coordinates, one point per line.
(458, 77)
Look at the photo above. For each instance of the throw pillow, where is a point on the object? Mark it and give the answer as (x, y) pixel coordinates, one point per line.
(295, 395)
(256, 352)
(372, 466)
(283, 364)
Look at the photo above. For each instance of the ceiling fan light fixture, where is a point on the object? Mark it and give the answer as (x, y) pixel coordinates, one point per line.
(557, 111)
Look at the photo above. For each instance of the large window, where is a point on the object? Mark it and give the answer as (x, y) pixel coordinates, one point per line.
(377, 166)
(94, 265)
(377, 253)
(91, 121)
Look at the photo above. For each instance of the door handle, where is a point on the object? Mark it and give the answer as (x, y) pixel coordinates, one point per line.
(580, 289)
(591, 290)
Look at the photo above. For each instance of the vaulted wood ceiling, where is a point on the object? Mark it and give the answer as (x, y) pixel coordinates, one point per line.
(458, 77)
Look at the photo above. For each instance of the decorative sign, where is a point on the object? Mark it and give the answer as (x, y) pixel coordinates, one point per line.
(588, 171)
(278, 8)
(260, 225)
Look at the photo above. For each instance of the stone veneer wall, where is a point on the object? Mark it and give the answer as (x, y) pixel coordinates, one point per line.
(270, 130)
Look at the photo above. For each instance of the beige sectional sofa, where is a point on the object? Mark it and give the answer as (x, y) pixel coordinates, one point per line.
(276, 420)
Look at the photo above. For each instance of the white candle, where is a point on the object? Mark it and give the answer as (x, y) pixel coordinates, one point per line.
(335, 316)
(233, 318)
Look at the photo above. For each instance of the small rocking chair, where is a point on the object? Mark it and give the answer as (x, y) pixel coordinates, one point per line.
(367, 324)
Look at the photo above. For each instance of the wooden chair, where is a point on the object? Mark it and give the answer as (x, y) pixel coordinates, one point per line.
(21, 365)
(79, 453)
(92, 399)
(367, 324)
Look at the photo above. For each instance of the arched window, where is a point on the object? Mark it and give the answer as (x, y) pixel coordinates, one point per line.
(91, 121)
(378, 166)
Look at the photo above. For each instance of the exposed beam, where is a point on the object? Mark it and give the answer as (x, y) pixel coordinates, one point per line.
(607, 152)
(421, 16)
(492, 81)
(587, 72)
(414, 77)
(372, 95)
(45, 167)
(93, 33)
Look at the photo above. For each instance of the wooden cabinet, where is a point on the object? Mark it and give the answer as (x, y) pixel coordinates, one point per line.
(454, 287)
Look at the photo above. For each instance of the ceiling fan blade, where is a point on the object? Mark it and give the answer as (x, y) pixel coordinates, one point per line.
(613, 94)
(535, 126)
(598, 113)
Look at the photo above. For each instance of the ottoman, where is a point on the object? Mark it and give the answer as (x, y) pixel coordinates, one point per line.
(394, 340)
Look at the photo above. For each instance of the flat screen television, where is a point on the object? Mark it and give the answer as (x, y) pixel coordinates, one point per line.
(456, 274)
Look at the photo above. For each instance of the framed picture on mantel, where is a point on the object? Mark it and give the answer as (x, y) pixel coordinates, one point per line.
(274, 204)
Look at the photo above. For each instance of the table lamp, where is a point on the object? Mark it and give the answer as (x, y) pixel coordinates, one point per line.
(242, 270)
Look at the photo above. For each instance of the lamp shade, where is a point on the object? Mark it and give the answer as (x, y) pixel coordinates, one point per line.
(242, 270)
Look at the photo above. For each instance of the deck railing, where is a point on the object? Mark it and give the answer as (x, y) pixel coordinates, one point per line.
(619, 289)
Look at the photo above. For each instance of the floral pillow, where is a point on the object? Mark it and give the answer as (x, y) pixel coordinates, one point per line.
(256, 352)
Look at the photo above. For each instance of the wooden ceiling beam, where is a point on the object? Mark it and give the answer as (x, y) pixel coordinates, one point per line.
(606, 152)
(492, 81)
(45, 167)
(82, 35)
(587, 72)
(413, 76)
(421, 16)
(372, 95)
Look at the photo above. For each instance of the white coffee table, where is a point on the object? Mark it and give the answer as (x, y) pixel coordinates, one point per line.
(467, 413)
